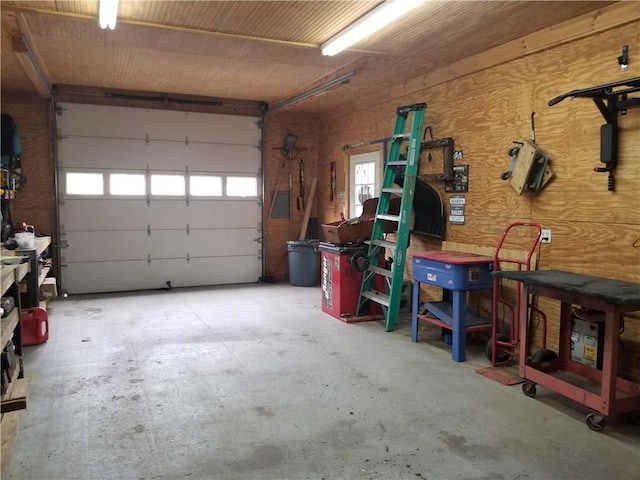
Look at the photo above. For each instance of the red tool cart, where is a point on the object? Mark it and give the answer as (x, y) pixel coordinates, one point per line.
(602, 390)
(341, 270)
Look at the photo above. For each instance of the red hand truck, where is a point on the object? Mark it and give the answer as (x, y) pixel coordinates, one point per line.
(502, 346)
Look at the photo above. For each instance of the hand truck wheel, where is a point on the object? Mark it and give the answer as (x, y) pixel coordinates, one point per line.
(502, 353)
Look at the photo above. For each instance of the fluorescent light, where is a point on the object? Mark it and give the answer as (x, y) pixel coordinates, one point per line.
(376, 19)
(108, 13)
(314, 91)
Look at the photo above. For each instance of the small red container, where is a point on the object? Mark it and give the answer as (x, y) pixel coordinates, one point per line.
(35, 326)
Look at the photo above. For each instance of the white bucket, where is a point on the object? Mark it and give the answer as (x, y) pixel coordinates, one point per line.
(25, 240)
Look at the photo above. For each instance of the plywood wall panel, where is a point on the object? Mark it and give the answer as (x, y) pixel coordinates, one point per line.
(593, 229)
(594, 249)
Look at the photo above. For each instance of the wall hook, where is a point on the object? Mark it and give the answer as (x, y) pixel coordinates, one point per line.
(623, 60)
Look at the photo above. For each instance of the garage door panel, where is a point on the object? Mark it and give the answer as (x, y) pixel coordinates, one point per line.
(204, 214)
(167, 244)
(94, 120)
(224, 270)
(190, 241)
(225, 214)
(140, 275)
(160, 244)
(105, 246)
(202, 127)
(82, 152)
(93, 214)
(125, 122)
(170, 156)
(215, 158)
(222, 242)
(130, 275)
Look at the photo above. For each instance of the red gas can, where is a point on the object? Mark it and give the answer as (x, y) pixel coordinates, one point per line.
(35, 326)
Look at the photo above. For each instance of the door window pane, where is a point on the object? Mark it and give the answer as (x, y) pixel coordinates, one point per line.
(127, 184)
(84, 183)
(167, 185)
(364, 184)
(201, 185)
(242, 186)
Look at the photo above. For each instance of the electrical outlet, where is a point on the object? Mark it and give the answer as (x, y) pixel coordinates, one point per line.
(545, 237)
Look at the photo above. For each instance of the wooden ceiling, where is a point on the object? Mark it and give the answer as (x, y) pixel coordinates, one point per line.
(255, 50)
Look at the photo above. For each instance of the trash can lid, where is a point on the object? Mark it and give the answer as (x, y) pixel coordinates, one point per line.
(303, 242)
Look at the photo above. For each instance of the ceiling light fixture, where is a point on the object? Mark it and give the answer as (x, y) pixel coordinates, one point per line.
(108, 14)
(376, 19)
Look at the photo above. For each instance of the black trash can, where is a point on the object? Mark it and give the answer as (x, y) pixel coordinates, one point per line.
(304, 263)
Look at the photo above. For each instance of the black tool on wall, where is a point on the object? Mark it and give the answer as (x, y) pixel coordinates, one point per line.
(332, 185)
(447, 146)
(301, 197)
(616, 96)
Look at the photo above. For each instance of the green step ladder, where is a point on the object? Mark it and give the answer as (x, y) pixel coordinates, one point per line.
(394, 278)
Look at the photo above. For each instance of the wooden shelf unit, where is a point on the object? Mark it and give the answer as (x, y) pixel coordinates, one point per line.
(11, 329)
(36, 275)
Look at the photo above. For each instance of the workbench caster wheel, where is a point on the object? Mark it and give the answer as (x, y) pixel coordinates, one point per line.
(529, 389)
(595, 422)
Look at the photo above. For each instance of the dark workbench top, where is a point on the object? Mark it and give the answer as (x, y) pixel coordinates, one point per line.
(615, 292)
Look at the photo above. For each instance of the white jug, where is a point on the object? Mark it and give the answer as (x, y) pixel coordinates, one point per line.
(25, 240)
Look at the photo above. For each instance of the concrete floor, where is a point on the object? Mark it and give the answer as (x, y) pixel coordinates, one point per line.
(255, 382)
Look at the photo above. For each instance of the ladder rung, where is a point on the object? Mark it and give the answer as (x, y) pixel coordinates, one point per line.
(380, 271)
(400, 135)
(391, 190)
(384, 216)
(397, 162)
(381, 243)
(377, 297)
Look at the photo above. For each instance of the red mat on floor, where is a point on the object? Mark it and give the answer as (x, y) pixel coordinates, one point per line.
(503, 375)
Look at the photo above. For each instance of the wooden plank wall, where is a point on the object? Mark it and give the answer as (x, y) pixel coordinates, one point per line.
(34, 203)
(279, 231)
(594, 230)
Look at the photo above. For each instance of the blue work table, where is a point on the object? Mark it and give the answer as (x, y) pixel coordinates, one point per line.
(456, 273)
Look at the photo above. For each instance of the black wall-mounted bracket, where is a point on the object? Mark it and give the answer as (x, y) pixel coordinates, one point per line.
(448, 146)
(610, 99)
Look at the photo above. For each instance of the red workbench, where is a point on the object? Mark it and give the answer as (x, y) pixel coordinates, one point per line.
(614, 298)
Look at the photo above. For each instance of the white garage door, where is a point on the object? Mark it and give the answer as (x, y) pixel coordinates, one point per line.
(149, 197)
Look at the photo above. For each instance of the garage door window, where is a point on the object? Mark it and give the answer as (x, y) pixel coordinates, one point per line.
(167, 185)
(127, 184)
(205, 186)
(242, 187)
(84, 183)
